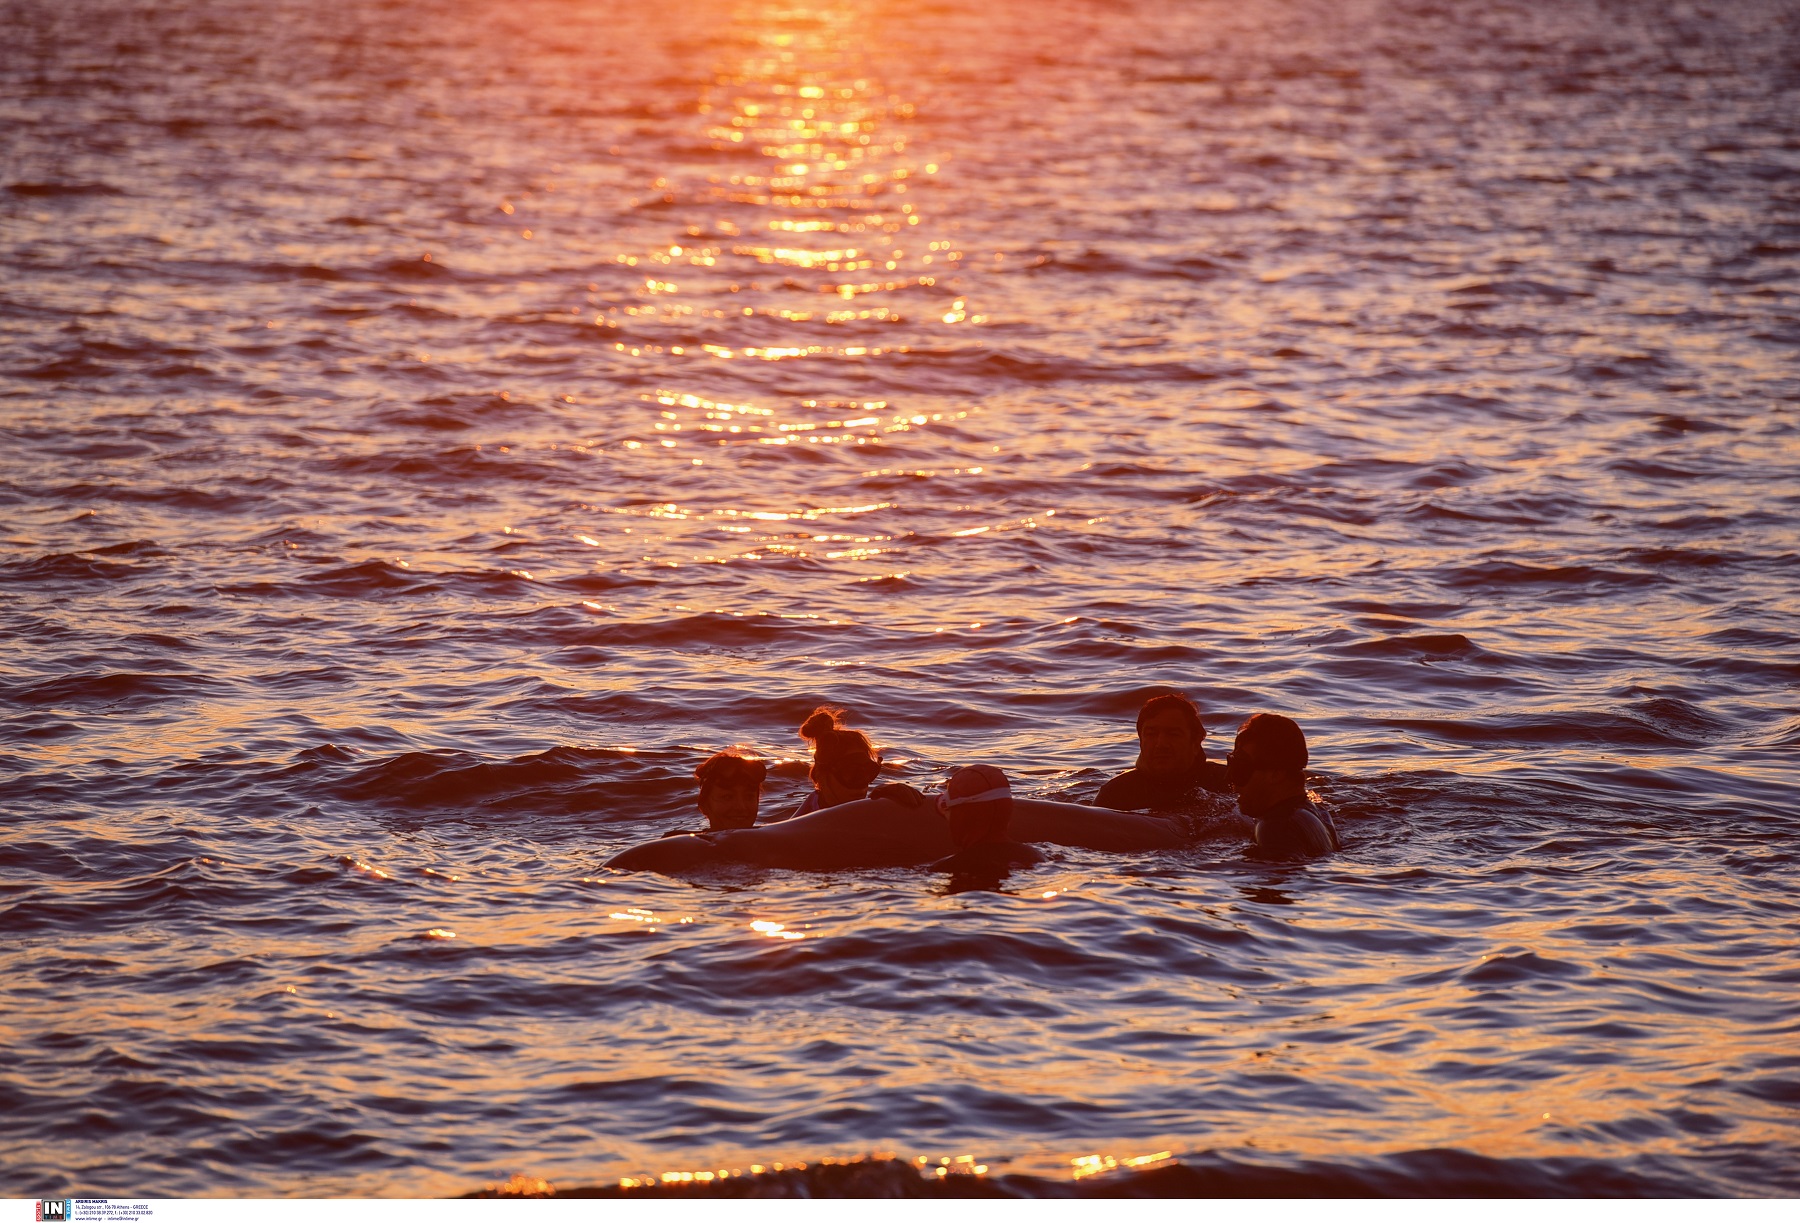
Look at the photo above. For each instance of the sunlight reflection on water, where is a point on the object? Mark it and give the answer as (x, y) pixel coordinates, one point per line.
(434, 428)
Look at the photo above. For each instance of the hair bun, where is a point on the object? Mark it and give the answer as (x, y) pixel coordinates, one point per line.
(821, 721)
(838, 751)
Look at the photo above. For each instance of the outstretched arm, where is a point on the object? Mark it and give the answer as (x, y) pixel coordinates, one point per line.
(850, 836)
(1036, 819)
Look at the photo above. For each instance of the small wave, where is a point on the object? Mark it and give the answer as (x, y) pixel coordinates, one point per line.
(1650, 368)
(723, 631)
(320, 1147)
(1093, 262)
(206, 499)
(176, 496)
(1688, 558)
(179, 888)
(1655, 728)
(1418, 645)
(458, 465)
(956, 369)
(885, 959)
(1489, 574)
(1747, 639)
(424, 267)
(1536, 290)
(1397, 610)
(63, 567)
(64, 368)
(1521, 966)
(1454, 474)
(1679, 719)
(111, 688)
(1787, 735)
(1775, 1089)
(1466, 329)
(51, 191)
(1651, 469)
(561, 781)
(449, 413)
(290, 535)
(1670, 423)
(292, 271)
(131, 547)
(371, 579)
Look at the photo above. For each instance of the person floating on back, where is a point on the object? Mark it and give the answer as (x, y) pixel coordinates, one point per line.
(977, 804)
(1267, 770)
(1172, 769)
(844, 761)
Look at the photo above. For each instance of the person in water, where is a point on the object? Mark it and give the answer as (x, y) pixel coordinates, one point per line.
(730, 789)
(844, 761)
(1172, 768)
(1267, 770)
(977, 805)
(896, 826)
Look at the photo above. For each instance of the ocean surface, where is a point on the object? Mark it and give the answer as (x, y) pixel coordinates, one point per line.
(428, 428)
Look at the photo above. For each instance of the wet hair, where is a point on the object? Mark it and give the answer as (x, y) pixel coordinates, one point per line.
(1189, 712)
(1267, 741)
(730, 766)
(844, 754)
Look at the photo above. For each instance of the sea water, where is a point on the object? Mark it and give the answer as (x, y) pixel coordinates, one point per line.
(429, 428)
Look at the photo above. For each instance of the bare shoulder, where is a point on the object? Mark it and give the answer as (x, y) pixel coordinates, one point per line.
(1300, 835)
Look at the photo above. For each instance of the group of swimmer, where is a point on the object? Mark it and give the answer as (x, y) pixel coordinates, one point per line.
(976, 828)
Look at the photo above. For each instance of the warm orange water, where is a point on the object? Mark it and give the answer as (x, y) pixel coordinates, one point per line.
(431, 429)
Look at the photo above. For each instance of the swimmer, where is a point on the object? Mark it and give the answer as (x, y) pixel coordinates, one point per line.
(844, 762)
(1172, 768)
(1267, 768)
(730, 789)
(896, 826)
(857, 835)
(977, 805)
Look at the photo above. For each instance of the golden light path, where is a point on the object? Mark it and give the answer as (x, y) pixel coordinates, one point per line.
(816, 205)
(738, 358)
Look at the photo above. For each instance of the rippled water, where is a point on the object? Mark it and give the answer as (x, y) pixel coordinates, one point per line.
(431, 428)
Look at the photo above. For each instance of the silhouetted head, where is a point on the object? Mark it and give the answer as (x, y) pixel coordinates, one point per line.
(977, 802)
(1267, 761)
(730, 788)
(1169, 734)
(844, 761)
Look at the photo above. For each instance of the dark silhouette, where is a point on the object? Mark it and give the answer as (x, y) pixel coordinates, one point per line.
(730, 790)
(844, 761)
(1267, 769)
(977, 804)
(896, 826)
(838, 828)
(1172, 769)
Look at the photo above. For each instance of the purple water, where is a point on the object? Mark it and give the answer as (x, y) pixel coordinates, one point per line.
(430, 429)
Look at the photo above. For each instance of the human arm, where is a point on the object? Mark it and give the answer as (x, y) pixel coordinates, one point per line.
(850, 836)
(1092, 827)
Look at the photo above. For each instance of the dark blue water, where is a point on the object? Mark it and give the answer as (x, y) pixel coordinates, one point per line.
(431, 428)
